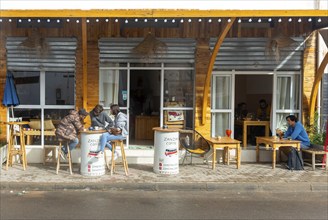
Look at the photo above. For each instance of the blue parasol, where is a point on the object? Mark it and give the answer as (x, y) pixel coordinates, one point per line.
(10, 98)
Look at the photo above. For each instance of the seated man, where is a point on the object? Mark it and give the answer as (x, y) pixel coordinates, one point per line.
(118, 132)
(68, 128)
(295, 131)
(100, 118)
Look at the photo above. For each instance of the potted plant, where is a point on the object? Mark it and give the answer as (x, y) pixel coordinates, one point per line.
(317, 134)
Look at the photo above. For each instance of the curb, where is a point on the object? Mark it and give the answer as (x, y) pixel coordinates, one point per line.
(196, 186)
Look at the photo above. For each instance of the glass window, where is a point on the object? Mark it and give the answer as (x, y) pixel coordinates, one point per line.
(179, 87)
(59, 88)
(221, 122)
(221, 104)
(288, 88)
(113, 87)
(222, 91)
(28, 87)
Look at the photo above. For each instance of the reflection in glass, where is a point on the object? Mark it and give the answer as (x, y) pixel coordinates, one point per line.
(113, 87)
(179, 87)
(59, 88)
(28, 87)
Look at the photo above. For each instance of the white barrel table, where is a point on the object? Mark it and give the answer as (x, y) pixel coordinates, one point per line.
(90, 164)
(166, 150)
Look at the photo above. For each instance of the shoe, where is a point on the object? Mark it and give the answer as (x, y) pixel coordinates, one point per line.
(64, 150)
(116, 155)
(100, 154)
(63, 156)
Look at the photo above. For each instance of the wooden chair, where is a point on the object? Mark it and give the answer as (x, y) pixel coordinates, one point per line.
(116, 143)
(69, 164)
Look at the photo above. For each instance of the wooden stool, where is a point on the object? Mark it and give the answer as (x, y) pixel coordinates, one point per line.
(116, 143)
(49, 158)
(68, 158)
(315, 152)
(12, 151)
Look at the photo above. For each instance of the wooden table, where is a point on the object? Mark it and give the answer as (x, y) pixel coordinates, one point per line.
(12, 151)
(226, 143)
(275, 143)
(246, 123)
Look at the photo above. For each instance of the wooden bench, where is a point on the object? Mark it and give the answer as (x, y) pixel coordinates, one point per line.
(314, 152)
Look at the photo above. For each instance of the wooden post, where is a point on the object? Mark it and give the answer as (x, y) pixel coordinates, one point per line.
(84, 63)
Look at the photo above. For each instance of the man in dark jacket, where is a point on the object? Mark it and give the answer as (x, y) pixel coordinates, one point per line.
(69, 127)
(100, 118)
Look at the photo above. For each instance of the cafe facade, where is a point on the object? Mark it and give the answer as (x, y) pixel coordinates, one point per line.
(181, 68)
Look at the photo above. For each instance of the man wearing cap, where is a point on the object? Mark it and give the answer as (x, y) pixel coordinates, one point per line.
(69, 127)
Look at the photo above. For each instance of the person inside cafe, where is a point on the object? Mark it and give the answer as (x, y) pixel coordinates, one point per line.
(68, 129)
(100, 119)
(241, 111)
(263, 111)
(118, 132)
(295, 131)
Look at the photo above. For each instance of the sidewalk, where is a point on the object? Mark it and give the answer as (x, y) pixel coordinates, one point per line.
(250, 177)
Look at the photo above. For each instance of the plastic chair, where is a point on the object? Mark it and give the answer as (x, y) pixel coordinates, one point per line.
(194, 144)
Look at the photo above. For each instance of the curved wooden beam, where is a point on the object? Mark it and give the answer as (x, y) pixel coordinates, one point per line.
(315, 87)
(210, 67)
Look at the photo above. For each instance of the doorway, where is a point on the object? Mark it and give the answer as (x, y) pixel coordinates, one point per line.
(144, 111)
(253, 100)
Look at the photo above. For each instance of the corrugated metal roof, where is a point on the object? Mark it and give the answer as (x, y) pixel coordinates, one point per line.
(118, 50)
(58, 55)
(253, 54)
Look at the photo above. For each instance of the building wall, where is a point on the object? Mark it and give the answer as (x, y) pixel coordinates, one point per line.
(201, 31)
(309, 71)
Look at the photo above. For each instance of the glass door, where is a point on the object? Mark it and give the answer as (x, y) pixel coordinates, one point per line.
(222, 103)
(286, 99)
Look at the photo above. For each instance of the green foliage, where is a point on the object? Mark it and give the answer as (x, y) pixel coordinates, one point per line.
(317, 135)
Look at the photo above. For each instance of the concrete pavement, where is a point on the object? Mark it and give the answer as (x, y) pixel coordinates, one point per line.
(250, 177)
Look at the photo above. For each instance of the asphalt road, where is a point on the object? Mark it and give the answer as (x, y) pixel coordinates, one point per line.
(162, 205)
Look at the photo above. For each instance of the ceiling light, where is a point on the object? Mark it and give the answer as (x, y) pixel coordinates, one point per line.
(48, 20)
(77, 21)
(146, 20)
(88, 20)
(67, 20)
(299, 20)
(319, 20)
(270, 19)
(189, 20)
(310, 19)
(250, 20)
(20, 20)
(259, 20)
(58, 21)
(156, 20)
(38, 20)
(200, 20)
(290, 20)
(97, 20)
(165, 20)
(279, 20)
(239, 20)
(181, 21)
(173, 20)
(116, 20)
(209, 20)
(126, 21)
(219, 20)
(136, 20)
(229, 20)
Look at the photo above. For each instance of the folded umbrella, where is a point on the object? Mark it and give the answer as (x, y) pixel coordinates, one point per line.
(10, 97)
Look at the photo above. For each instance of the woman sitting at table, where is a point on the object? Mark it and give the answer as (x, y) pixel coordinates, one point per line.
(118, 132)
(100, 118)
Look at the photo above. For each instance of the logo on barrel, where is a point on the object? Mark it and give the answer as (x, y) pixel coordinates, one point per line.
(169, 152)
